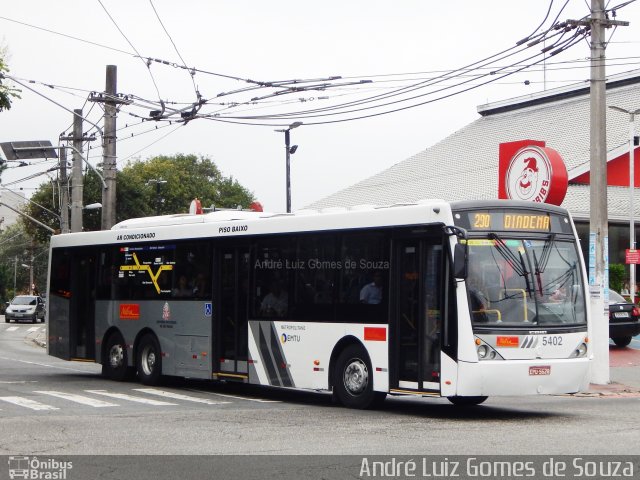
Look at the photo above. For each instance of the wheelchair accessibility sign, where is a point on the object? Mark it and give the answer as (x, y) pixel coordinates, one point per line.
(208, 309)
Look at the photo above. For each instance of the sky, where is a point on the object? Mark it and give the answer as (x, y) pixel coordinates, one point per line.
(375, 46)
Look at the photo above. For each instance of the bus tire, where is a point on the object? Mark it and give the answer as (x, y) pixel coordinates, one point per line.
(149, 361)
(466, 401)
(353, 379)
(622, 341)
(115, 361)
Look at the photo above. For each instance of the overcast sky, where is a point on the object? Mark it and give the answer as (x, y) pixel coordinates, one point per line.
(392, 43)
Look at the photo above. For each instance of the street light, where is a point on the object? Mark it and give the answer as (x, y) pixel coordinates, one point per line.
(632, 240)
(290, 150)
(158, 182)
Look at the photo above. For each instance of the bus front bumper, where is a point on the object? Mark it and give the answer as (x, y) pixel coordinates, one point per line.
(523, 377)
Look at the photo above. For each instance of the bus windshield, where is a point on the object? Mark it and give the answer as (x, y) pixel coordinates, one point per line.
(524, 282)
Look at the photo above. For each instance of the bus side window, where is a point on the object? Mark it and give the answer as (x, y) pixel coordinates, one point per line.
(272, 278)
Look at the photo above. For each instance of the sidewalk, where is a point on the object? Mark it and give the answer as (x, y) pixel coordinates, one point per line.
(624, 373)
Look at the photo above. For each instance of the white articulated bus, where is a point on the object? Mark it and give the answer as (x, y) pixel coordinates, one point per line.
(463, 300)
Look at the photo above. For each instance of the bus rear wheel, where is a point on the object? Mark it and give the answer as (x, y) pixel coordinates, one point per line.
(149, 364)
(466, 401)
(353, 379)
(115, 363)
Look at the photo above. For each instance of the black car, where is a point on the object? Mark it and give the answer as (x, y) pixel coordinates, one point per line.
(25, 308)
(624, 319)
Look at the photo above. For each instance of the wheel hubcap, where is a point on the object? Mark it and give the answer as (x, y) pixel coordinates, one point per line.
(116, 356)
(148, 360)
(356, 377)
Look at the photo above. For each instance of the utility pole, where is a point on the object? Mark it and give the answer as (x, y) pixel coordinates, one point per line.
(109, 149)
(76, 175)
(111, 101)
(599, 221)
(64, 193)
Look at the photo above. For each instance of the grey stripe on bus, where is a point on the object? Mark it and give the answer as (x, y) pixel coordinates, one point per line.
(265, 355)
(280, 359)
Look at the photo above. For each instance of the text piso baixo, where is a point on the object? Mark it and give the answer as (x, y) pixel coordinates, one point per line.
(578, 467)
(317, 264)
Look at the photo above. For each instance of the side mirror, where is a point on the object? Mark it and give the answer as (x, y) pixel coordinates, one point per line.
(460, 254)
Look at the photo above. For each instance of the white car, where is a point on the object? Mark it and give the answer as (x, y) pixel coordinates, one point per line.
(25, 308)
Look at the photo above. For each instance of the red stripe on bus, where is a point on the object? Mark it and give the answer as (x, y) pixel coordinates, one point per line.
(375, 334)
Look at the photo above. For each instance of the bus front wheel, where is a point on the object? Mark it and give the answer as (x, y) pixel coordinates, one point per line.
(466, 401)
(149, 364)
(114, 365)
(353, 379)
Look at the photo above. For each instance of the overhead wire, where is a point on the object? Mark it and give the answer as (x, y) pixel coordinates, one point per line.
(134, 49)
(191, 73)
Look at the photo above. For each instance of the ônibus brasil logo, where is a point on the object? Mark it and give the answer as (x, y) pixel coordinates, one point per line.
(35, 468)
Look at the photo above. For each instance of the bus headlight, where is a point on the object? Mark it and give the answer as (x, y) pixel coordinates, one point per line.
(486, 352)
(483, 352)
(581, 351)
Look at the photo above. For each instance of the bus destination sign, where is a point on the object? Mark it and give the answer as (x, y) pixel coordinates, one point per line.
(512, 220)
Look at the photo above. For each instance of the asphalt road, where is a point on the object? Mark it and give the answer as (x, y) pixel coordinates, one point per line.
(52, 407)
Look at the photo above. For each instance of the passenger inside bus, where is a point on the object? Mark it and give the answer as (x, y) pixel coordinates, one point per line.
(276, 302)
(371, 293)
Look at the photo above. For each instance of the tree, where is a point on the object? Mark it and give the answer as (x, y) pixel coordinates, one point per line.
(7, 93)
(186, 176)
(18, 249)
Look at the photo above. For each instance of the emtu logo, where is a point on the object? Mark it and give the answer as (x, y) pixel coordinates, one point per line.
(284, 338)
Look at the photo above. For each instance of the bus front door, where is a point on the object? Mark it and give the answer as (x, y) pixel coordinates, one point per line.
(416, 323)
(230, 327)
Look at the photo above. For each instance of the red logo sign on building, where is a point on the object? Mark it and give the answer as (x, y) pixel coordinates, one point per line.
(531, 172)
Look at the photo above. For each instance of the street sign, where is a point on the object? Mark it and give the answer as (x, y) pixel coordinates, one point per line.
(632, 256)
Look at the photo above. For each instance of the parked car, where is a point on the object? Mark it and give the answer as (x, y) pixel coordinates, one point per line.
(25, 308)
(624, 319)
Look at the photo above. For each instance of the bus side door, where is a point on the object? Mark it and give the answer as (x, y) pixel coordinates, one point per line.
(416, 313)
(230, 317)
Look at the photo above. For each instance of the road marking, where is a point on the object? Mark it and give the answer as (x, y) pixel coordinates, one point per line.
(11, 329)
(131, 398)
(33, 329)
(27, 403)
(17, 381)
(178, 396)
(92, 402)
(249, 399)
(45, 365)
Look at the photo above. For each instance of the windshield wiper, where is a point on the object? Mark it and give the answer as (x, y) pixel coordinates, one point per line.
(514, 262)
(541, 264)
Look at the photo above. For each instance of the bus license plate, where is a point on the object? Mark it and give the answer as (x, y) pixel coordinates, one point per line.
(545, 370)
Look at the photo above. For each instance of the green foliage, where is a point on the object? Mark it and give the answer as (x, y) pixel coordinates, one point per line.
(186, 176)
(7, 93)
(16, 250)
(617, 276)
